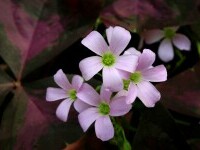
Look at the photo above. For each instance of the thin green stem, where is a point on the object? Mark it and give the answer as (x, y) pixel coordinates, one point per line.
(120, 138)
(97, 23)
(99, 74)
(181, 58)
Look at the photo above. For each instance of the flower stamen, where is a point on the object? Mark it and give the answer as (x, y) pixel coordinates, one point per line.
(72, 94)
(126, 84)
(108, 59)
(169, 33)
(104, 108)
(136, 77)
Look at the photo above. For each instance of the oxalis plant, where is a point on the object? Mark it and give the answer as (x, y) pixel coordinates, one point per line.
(126, 74)
(88, 74)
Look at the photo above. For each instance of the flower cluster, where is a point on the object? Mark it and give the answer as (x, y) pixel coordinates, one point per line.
(125, 76)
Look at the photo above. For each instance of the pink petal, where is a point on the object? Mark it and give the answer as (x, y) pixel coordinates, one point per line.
(119, 107)
(146, 59)
(152, 36)
(132, 93)
(88, 95)
(61, 80)
(95, 42)
(165, 50)
(155, 74)
(121, 93)
(63, 109)
(112, 79)
(104, 128)
(109, 32)
(105, 94)
(87, 117)
(127, 63)
(124, 74)
(54, 94)
(80, 105)
(181, 42)
(120, 39)
(77, 82)
(90, 66)
(148, 94)
(132, 51)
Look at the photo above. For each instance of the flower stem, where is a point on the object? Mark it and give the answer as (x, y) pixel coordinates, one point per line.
(99, 74)
(181, 58)
(97, 23)
(120, 138)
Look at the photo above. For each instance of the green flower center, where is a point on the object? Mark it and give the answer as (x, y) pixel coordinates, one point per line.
(104, 108)
(108, 59)
(72, 94)
(169, 33)
(136, 77)
(126, 84)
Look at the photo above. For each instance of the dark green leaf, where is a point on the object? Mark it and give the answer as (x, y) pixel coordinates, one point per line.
(157, 130)
(6, 84)
(12, 120)
(3, 94)
(195, 144)
(58, 136)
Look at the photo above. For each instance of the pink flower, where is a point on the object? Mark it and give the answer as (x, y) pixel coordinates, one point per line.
(108, 59)
(101, 107)
(169, 36)
(137, 83)
(68, 92)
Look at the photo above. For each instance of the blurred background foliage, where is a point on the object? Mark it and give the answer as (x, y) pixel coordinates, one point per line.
(39, 37)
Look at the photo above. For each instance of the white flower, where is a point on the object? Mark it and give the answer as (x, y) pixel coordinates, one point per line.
(109, 59)
(102, 106)
(169, 37)
(67, 93)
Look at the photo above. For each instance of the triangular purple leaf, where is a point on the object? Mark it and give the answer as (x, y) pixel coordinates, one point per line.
(181, 93)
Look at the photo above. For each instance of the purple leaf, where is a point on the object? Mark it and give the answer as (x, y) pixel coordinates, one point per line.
(29, 117)
(181, 93)
(150, 13)
(33, 33)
